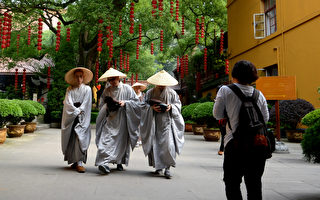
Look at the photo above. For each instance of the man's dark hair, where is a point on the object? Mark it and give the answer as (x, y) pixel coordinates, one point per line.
(245, 72)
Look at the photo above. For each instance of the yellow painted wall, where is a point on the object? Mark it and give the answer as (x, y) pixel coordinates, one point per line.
(295, 46)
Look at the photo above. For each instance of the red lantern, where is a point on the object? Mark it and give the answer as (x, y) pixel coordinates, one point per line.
(160, 7)
(197, 31)
(97, 72)
(24, 81)
(202, 27)
(128, 63)
(171, 7)
(131, 18)
(99, 49)
(217, 75)
(29, 35)
(9, 31)
(100, 21)
(186, 65)
(111, 45)
(221, 41)
(0, 27)
(131, 79)
(161, 40)
(48, 79)
(177, 10)
(58, 36)
(137, 77)
(16, 80)
(182, 67)
(140, 34)
(182, 26)
(124, 62)
(18, 39)
(68, 34)
(4, 32)
(178, 59)
(205, 60)
(39, 34)
(120, 59)
(109, 64)
(227, 66)
(151, 48)
(137, 50)
(120, 27)
(115, 64)
(154, 7)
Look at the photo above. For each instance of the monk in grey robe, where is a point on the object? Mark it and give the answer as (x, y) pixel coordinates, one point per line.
(75, 125)
(162, 131)
(116, 128)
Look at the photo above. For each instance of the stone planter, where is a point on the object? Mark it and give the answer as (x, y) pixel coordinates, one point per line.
(211, 134)
(30, 127)
(55, 125)
(188, 127)
(198, 129)
(295, 135)
(15, 130)
(3, 135)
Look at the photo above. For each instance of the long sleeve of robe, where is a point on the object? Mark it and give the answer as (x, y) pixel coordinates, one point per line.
(117, 131)
(162, 134)
(83, 95)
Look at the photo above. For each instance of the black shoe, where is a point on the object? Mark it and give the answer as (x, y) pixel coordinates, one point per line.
(74, 165)
(119, 167)
(167, 174)
(104, 169)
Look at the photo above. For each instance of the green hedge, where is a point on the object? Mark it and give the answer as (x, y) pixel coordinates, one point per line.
(202, 114)
(40, 108)
(188, 110)
(9, 112)
(311, 143)
(55, 116)
(311, 118)
(28, 110)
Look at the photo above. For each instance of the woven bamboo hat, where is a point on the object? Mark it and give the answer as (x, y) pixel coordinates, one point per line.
(162, 78)
(111, 73)
(143, 87)
(70, 78)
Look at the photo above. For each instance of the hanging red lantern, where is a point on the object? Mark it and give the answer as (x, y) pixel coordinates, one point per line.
(205, 60)
(151, 48)
(221, 41)
(48, 79)
(24, 81)
(197, 31)
(154, 7)
(217, 75)
(171, 8)
(109, 64)
(120, 27)
(97, 72)
(182, 67)
(4, 32)
(131, 79)
(160, 7)
(128, 63)
(120, 59)
(131, 31)
(0, 28)
(58, 36)
(137, 77)
(137, 50)
(182, 26)
(9, 31)
(29, 35)
(186, 65)
(68, 34)
(16, 80)
(178, 61)
(202, 27)
(99, 49)
(115, 65)
(177, 10)
(124, 62)
(227, 66)
(18, 43)
(198, 82)
(140, 34)
(161, 40)
(39, 34)
(111, 45)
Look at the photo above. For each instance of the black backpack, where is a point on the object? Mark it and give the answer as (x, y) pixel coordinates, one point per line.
(251, 135)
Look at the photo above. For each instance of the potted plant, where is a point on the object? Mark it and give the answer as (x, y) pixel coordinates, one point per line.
(187, 116)
(291, 113)
(31, 126)
(55, 119)
(4, 113)
(29, 114)
(203, 113)
(311, 140)
(15, 116)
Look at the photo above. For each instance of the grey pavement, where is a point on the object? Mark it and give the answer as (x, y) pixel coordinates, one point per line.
(32, 167)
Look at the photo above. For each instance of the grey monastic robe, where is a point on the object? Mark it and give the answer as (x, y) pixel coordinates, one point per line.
(80, 132)
(162, 134)
(118, 130)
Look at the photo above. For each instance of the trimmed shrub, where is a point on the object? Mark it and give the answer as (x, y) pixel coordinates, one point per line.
(16, 113)
(4, 112)
(202, 114)
(291, 112)
(28, 110)
(188, 110)
(311, 118)
(94, 116)
(40, 108)
(311, 143)
(56, 116)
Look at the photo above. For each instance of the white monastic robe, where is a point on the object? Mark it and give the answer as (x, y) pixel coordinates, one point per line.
(162, 134)
(116, 131)
(75, 125)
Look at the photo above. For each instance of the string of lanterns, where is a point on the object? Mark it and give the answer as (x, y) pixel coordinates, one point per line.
(39, 34)
(58, 36)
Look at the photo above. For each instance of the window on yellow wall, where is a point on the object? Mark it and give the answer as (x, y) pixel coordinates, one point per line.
(271, 70)
(270, 16)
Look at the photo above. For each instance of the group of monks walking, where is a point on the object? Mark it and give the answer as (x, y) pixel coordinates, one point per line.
(126, 117)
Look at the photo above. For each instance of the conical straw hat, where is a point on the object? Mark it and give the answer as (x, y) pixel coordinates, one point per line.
(162, 78)
(143, 87)
(111, 73)
(70, 78)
